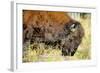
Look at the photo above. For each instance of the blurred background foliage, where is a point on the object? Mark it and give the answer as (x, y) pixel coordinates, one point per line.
(45, 53)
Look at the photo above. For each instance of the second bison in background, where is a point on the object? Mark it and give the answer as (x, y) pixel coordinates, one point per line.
(52, 28)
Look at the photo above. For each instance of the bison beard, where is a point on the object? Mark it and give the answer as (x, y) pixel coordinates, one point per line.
(68, 35)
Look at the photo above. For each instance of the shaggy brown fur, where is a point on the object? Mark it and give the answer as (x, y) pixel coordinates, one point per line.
(52, 28)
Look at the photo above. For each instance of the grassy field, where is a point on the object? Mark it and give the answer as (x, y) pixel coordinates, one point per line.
(44, 53)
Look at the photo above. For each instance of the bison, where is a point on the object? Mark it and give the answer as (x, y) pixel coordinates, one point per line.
(52, 28)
